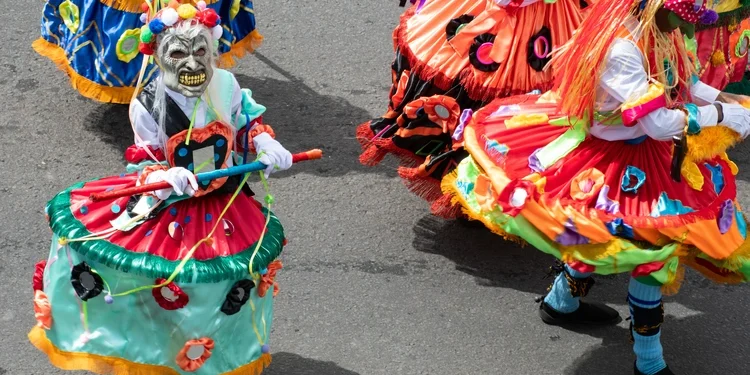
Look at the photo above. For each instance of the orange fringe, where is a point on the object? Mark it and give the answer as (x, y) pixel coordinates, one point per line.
(134, 6)
(86, 87)
(364, 134)
(117, 366)
(248, 44)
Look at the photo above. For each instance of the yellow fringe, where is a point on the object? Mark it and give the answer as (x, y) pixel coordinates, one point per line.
(447, 186)
(134, 6)
(675, 282)
(740, 256)
(87, 88)
(709, 143)
(117, 366)
(239, 49)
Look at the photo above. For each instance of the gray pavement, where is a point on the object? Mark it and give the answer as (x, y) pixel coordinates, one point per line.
(373, 284)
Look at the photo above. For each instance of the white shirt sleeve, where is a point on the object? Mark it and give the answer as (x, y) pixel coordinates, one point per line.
(703, 93)
(236, 102)
(144, 126)
(624, 78)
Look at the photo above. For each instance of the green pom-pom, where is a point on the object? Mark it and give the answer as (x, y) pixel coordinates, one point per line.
(269, 199)
(146, 35)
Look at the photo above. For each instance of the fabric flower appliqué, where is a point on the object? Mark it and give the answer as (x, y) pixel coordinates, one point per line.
(194, 354)
(42, 310)
(87, 283)
(170, 296)
(237, 297)
(269, 279)
(38, 280)
(586, 184)
(440, 109)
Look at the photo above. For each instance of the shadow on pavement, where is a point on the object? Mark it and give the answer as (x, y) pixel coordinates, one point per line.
(699, 344)
(292, 364)
(302, 119)
(495, 262)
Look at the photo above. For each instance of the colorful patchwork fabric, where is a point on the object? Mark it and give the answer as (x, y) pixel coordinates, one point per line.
(612, 206)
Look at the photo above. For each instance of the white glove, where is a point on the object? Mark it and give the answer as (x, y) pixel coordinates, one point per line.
(182, 181)
(737, 118)
(273, 154)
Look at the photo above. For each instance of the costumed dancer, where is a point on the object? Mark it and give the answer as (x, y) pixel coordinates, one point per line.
(621, 168)
(452, 57)
(182, 279)
(96, 41)
(721, 47)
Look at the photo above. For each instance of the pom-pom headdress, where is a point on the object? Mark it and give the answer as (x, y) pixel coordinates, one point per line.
(173, 14)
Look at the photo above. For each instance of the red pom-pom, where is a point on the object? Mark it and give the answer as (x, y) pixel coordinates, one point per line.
(146, 49)
(38, 281)
(144, 7)
(209, 17)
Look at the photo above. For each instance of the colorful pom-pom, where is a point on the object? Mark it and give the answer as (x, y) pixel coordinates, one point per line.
(709, 17)
(201, 5)
(146, 49)
(108, 299)
(146, 35)
(718, 58)
(169, 16)
(174, 4)
(217, 31)
(209, 18)
(186, 11)
(144, 17)
(265, 349)
(144, 7)
(156, 26)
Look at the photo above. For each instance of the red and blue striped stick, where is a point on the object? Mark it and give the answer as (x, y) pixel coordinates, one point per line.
(255, 166)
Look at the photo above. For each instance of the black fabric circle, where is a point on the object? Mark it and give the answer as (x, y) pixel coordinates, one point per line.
(538, 63)
(237, 296)
(478, 41)
(86, 283)
(453, 25)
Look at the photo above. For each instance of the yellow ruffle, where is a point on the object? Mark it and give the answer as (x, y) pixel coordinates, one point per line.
(117, 366)
(655, 91)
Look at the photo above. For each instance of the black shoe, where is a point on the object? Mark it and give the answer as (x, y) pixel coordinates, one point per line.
(587, 313)
(666, 371)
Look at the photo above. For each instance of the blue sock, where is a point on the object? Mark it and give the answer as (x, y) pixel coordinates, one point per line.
(559, 297)
(648, 351)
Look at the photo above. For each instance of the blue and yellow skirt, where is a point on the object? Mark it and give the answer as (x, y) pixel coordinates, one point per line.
(96, 42)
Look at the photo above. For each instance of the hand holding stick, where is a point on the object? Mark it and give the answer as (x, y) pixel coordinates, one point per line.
(255, 166)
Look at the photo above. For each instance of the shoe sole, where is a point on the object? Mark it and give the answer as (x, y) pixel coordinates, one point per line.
(550, 320)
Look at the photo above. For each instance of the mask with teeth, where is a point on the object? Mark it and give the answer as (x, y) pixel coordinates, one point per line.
(185, 57)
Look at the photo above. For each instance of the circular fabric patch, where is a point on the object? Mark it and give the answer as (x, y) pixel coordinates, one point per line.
(127, 45)
(455, 25)
(70, 14)
(479, 53)
(86, 283)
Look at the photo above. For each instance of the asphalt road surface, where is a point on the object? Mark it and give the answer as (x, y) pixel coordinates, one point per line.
(372, 283)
